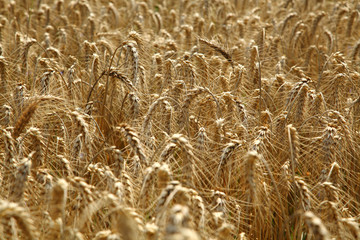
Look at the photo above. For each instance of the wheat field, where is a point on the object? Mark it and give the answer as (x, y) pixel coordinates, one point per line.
(179, 119)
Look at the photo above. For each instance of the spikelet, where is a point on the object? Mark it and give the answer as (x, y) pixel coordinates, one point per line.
(3, 73)
(198, 207)
(293, 139)
(330, 139)
(202, 65)
(46, 180)
(150, 113)
(284, 186)
(353, 15)
(45, 81)
(330, 39)
(168, 71)
(127, 189)
(58, 200)
(7, 115)
(135, 61)
(135, 105)
(37, 145)
(25, 53)
(134, 141)
(355, 52)
(334, 175)
(315, 24)
(66, 166)
(252, 68)
(331, 192)
(23, 219)
(102, 235)
(189, 72)
(219, 210)
(224, 231)
(119, 75)
(115, 15)
(251, 158)
(225, 156)
(9, 157)
(148, 182)
(19, 97)
(151, 231)
(202, 138)
(95, 65)
(236, 78)
(188, 156)
(167, 152)
(193, 93)
(316, 226)
(89, 108)
(177, 226)
(312, 49)
(217, 49)
(167, 116)
(304, 194)
(23, 171)
(119, 162)
(164, 175)
(127, 223)
(166, 196)
(77, 155)
(105, 46)
(25, 118)
(298, 37)
(317, 105)
(301, 104)
(286, 20)
(188, 33)
(353, 226)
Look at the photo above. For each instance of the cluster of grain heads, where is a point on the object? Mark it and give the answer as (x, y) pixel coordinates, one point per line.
(179, 119)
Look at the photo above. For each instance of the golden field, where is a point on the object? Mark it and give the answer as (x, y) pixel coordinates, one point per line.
(179, 119)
